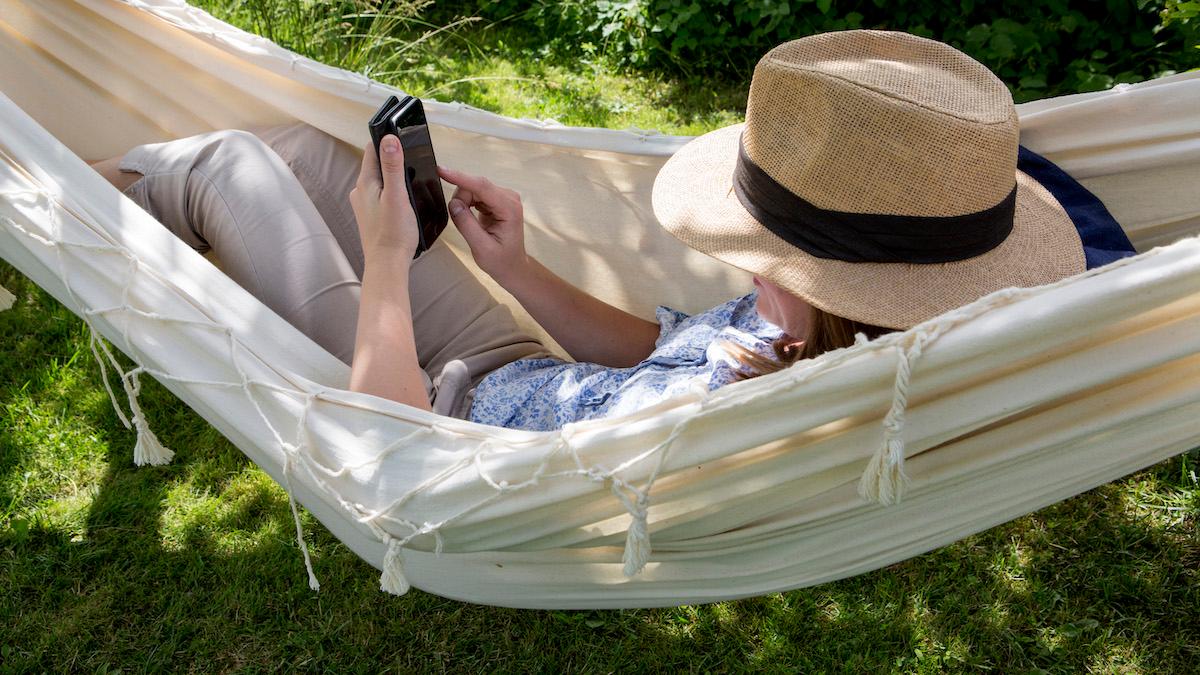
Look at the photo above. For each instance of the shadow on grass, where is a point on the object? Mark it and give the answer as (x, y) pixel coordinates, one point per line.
(195, 562)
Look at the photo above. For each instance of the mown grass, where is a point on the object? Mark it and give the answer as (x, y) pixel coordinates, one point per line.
(192, 566)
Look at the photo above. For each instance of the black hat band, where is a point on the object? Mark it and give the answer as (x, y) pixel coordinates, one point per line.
(868, 237)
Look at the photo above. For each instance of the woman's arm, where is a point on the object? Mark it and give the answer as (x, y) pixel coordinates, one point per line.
(385, 354)
(589, 329)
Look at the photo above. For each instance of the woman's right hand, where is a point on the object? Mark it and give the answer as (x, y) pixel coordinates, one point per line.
(497, 235)
(589, 329)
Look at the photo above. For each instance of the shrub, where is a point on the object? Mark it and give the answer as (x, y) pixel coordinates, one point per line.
(1040, 49)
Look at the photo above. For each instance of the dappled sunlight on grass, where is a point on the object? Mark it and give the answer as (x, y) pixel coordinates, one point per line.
(1009, 567)
(1118, 656)
(241, 514)
(581, 99)
(105, 565)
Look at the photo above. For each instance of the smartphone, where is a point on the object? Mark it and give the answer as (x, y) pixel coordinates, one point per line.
(405, 118)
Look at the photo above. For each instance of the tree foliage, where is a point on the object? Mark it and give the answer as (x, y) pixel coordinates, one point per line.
(1039, 48)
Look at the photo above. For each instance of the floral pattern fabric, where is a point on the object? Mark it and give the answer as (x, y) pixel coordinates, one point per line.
(544, 394)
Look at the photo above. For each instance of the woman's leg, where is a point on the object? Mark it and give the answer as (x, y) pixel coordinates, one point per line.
(327, 169)
(227, 191)
(454, 317)
(275, 206)
(109, 168)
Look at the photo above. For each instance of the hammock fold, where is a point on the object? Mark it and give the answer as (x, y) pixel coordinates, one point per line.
(1021, 399)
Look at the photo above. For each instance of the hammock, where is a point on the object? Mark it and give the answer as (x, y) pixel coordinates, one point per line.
(843, 464)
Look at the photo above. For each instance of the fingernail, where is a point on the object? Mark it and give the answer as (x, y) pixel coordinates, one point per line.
(389, 144)
(456, 206)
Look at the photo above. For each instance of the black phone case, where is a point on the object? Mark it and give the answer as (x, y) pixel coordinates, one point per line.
(380, 124)
(405, 118)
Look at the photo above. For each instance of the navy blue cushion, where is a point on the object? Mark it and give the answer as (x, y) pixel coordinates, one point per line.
(1103, 239)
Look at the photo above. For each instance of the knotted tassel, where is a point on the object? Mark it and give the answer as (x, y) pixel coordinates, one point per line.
(884, 480)
(637, 539)
(392, 580)
(6, 299)
(148, 450)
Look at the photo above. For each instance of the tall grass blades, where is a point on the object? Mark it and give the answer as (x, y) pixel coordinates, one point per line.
(381, 39)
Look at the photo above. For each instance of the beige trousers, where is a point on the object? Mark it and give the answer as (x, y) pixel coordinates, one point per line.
(273, 205)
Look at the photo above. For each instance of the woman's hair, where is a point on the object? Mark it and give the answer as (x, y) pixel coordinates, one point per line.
(826, 332)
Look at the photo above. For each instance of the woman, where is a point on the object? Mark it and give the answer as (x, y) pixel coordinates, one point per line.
(873, 186)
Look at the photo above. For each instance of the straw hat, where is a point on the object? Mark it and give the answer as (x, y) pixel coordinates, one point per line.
(875, 177)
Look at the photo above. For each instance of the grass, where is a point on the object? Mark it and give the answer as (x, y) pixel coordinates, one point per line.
(488, 66)
(192, 566)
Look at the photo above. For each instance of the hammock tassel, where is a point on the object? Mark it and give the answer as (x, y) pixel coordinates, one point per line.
(392, 580)
(637, 540)
(884, 480)
(6, 299)
(148, 450)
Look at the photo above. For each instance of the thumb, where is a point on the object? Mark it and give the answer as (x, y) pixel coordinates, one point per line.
(466, 222)
(391, 159)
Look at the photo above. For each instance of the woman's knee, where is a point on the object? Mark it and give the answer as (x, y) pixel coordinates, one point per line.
(233, 149)
(237, 182)
(237, 167)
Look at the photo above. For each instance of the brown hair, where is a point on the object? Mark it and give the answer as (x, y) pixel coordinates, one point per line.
(826, 332)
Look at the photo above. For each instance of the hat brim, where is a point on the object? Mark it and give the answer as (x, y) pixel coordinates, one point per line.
(694, 200)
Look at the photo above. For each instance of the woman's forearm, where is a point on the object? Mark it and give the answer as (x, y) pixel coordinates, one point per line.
(385, 354)
(589, 329)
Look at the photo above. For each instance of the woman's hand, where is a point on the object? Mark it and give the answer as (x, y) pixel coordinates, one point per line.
(497, 235)
(386, 222)
(589, 329)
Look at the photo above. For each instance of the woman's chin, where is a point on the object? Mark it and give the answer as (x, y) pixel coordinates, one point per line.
(766, 315)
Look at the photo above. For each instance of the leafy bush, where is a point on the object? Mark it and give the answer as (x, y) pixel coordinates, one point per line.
(1040, 49)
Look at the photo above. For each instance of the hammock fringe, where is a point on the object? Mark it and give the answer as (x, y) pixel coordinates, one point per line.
(637, 542)
(148, 450)
(6, 299)
(884, 480)
(392, 579)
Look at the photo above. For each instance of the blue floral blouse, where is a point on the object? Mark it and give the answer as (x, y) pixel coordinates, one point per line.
(544, 394)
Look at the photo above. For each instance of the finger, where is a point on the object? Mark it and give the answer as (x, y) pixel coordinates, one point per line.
(465, 196)
(391, 159)
(395, 185)
(368, 173)
(482, 188)
(471, 199)
(466, 223)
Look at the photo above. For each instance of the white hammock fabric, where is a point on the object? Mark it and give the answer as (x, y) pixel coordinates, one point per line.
(986, 413)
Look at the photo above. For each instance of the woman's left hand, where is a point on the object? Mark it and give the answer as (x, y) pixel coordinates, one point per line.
(387, 224)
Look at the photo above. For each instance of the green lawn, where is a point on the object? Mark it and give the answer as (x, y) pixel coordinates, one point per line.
(193, 566)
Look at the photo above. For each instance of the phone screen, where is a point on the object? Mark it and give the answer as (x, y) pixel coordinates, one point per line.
(420, 168)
